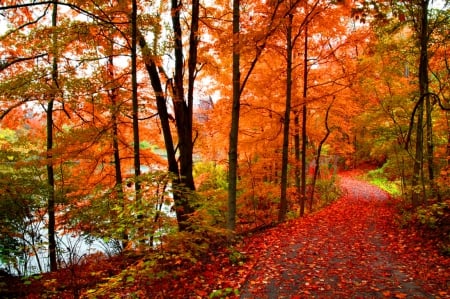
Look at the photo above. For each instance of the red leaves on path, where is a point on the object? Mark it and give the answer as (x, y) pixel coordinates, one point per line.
(351, 249)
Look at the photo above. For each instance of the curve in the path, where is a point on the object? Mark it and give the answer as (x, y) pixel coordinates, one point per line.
(339, 252)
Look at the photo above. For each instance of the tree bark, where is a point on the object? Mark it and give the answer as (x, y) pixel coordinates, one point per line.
(183, 115)
(135, 103)
(233, 146)
(297, 152)
(182, 171)
(417, 180)
(424, 92)
(287, 116)
(50, 169)
(164, 119)
(304, 119)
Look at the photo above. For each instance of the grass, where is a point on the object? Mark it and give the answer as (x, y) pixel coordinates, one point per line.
(378, 178)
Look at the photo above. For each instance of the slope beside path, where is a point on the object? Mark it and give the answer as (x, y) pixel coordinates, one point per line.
(351, 249)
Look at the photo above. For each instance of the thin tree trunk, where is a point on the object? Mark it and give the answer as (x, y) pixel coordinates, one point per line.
(319, 153)
(193, 45)
(135, 104)
(297, 152)
(286, 123)
(304, 119)
(50, 169)
(424, 61)
(233, 147)
(418, 158)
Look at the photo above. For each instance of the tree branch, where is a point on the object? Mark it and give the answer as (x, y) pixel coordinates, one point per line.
(4, 64)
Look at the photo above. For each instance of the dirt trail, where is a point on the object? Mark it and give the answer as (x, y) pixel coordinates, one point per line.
(339, 252)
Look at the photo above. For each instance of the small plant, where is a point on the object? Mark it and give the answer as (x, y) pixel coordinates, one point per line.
(224, 293)
(433, 215)
(236, 257)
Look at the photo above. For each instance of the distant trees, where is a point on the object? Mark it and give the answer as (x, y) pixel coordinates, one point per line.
(410, 94)
(260, 144)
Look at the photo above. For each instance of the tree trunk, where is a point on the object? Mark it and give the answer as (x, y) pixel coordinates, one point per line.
(164, 119)
(304, 119)
(418, 196)
(183, 114)
(50, 170)
(286, 123)
(135, 104)
(233, 147)
(297, 152)
(424, 92)
(183, 176)
(319, 153)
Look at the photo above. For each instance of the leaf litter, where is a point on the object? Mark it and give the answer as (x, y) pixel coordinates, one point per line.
(351, 249)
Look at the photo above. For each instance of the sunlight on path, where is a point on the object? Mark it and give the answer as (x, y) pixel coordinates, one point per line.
(359, 190)
(339, 252)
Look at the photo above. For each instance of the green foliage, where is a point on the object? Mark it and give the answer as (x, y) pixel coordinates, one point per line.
(22, 202)
(210, 176)
(7, 136)
(224, 293)
(116, 214)
(211, 196)
(236, 257)
(379, 177)
(434, 215)
(327, 190)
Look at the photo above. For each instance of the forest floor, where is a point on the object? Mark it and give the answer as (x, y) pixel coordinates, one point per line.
(353, 248)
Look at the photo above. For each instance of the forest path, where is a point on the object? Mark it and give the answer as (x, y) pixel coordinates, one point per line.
(342, 251)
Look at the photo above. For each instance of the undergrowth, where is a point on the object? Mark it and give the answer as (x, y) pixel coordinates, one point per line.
(431, 218)
(380, 179)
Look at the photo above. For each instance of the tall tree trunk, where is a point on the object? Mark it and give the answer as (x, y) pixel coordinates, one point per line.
(193, 48)
(164, 118)
(297, 152)
(418, 196)
(424, 92)
(50, 170)
(304, 119)
(183, 111)
(135, 104)
(234, 131)
(287, 116)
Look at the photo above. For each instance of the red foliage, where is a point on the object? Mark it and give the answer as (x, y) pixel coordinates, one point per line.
(351, 249)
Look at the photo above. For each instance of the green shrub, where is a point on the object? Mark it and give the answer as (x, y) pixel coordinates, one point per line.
(434, 215)
(380, 178)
